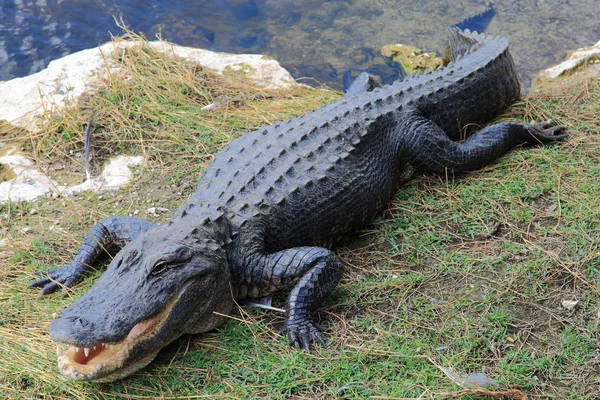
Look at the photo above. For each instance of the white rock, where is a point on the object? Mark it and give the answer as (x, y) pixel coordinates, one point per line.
(569, 304)
(30, 183)
(114, 175)
(261, 69)
(151, 210)
(577, 58)
(67, 78)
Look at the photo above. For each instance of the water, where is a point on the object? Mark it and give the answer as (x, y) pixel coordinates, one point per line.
(315, 39)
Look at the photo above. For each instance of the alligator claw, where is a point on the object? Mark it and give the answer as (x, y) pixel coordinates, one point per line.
(53, 279)
(544, 132)
(302, 333)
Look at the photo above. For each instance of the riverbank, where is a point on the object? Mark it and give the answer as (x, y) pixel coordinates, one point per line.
(494, 273)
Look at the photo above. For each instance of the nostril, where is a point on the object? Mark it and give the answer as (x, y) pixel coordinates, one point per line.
(73, 330)
(79, 322)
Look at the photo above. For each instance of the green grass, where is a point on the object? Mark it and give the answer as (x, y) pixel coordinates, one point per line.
(462, 275)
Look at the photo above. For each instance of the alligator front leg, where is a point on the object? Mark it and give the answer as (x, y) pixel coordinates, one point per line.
(106, 237)
(314, 272)
(428, 147)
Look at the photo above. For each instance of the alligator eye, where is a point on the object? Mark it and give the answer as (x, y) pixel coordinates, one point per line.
(158, 268)
(162, 266)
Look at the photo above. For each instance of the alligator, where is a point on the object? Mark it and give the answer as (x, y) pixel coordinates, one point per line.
(268, 209)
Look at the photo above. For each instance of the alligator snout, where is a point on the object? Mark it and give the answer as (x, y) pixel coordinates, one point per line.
(72, 330)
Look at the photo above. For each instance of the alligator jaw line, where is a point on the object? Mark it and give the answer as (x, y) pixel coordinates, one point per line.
(94, 363)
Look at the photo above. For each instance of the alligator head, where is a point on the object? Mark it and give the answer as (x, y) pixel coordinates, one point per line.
(170, 281)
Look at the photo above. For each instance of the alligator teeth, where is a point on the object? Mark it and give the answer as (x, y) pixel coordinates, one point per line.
(86, 351)
(76, 349)
(112, 347)
(94, 348)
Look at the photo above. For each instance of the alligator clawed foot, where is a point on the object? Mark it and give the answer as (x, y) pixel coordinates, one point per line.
(53, 279)
(302, 333)
(544, 132)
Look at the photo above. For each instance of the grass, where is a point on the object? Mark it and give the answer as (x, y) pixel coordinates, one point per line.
(461, 275)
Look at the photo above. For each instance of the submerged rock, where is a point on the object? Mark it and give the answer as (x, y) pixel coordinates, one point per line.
(412, 59)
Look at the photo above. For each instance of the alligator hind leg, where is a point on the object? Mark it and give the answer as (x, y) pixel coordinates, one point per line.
(106, 237)
(314, 272)
(428, 147)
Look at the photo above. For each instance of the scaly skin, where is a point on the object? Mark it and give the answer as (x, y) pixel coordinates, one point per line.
(270, 205)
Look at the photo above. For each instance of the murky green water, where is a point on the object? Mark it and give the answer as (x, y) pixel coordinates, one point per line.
(317, 40)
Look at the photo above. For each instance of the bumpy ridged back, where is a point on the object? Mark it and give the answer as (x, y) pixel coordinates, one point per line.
(318, 176)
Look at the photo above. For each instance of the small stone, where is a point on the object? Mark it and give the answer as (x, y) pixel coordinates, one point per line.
(151, 210)
(33, 211)
(162, 209)
(569, 304)
(479, 380)
(136, 212)
(27, 229)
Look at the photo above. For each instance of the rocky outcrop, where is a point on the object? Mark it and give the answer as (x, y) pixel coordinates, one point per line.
(24, 100)
(576, 59)
(582, 64)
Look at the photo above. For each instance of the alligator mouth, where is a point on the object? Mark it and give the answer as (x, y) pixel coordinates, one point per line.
(106, 362)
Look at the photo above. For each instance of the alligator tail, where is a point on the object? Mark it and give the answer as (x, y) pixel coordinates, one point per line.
(461, 42)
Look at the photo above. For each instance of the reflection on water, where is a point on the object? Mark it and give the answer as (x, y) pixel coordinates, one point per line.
(315, 39)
